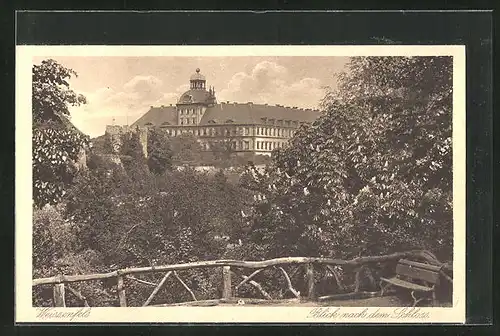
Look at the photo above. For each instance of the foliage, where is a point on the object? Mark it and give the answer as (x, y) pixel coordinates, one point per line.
(51, 94)
(376, 167)
(159, 151)
(57, 145)
(56, 155)
(53, 237)
(186, 149)
(137, 218)
(223, 150)
(57, 250)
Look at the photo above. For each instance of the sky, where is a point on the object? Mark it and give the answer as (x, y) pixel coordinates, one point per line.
(119, 90)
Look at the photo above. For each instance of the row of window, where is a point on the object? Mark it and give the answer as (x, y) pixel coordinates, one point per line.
(274, 131)
(234, 145)
(190, 111)
(281, 122)
(269, 145)
(188, 121)
(235, 131)
(197, 85)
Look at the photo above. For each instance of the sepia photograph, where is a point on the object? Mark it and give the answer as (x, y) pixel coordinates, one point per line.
(301, 184)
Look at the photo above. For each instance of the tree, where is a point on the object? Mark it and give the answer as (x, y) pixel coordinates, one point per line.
(373, 174)
(223, 150)
(51, 94)
(186, 149)
(159, 151)
(57, 144)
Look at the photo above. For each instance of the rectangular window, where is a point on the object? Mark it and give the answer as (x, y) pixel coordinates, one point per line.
(246, 145)
(193, 120)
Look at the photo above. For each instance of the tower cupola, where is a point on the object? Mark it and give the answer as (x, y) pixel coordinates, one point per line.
(197, 81)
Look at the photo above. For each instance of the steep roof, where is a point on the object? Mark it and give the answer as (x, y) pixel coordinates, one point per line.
(158, 116)
(250, 113)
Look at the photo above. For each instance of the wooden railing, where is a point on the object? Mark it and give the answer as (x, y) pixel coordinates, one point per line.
(229, 268)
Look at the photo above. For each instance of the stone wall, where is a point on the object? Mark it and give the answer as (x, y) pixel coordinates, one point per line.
(114, 135)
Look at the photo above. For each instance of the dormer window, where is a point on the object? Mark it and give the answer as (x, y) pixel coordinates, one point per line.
(212, 121)
(229, 121)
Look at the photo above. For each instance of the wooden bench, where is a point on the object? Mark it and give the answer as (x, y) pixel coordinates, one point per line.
(417, 277)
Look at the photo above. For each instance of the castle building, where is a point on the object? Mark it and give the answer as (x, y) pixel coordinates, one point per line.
(242, 127)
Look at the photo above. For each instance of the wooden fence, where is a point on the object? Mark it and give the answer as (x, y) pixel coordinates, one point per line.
(231, 268)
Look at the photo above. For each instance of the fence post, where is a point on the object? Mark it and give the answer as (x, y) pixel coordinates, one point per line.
(226, 279)
(121, 291)
(310, 281)
(59, 295)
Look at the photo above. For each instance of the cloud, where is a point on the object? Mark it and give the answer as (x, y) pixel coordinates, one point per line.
(146, 88)
(269, 82)
(107, 105)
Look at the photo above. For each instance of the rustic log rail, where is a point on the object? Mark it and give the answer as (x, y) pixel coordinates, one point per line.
(229, 268)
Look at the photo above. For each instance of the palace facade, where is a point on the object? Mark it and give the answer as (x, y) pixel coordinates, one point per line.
(244, 127)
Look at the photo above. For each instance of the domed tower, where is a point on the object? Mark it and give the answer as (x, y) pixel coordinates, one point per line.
(193, 103)
(197, 80)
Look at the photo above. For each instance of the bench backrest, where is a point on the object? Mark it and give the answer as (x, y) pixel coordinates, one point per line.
(418, 271)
